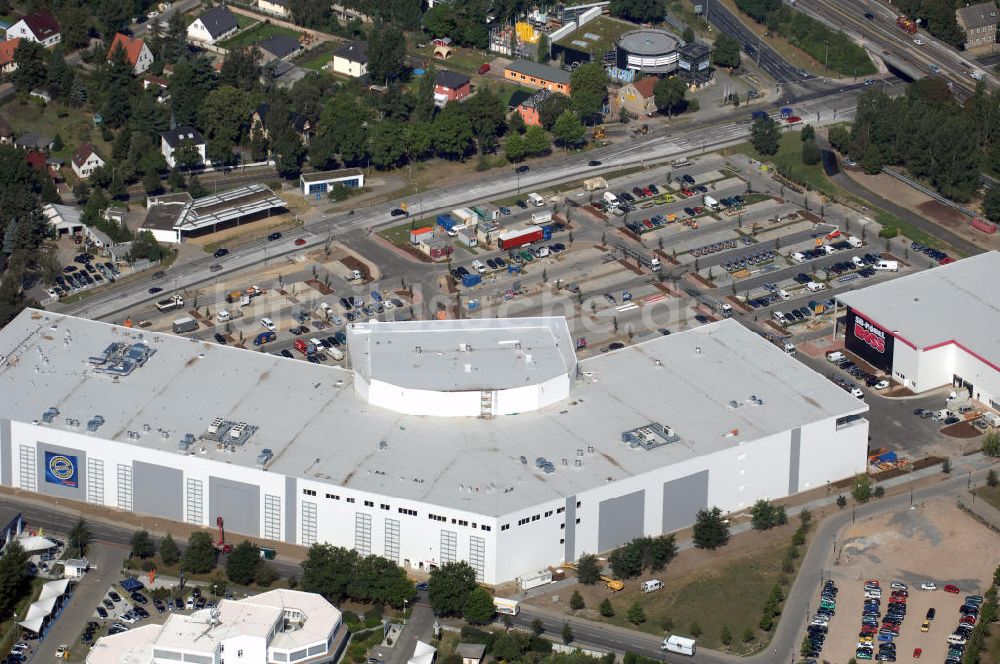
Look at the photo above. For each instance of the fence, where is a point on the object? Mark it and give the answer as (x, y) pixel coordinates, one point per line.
(930, 192)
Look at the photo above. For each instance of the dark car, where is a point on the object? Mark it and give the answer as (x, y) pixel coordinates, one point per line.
(687, 178)
(522, 169)
(689, 211)
(284, 353)
(345, 304)
(108, 603)
(274, 236)
(102, 612)
(397, 212)
(594, 162)
(616, 345)
(701, 318)
(219, 338)
(220, 252)
(139, 597)
(491, 263)
(521, 204)
(159, 275)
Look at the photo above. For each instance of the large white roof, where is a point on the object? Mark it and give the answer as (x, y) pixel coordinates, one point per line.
(957, 303)
(698, 382)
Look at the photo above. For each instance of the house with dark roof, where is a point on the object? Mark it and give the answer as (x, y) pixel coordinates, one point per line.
(7, 48)
(450, 86)
(32, 141)
(528, 109)
(40, 26)
(216, 24)
(275, 7)
(173, 139)
(979, 22)
(535, 75)
(136, 52)
(85, 160)
(278, 47)
(6, 132)
(694, 63)
(302, 125)
(351, 59)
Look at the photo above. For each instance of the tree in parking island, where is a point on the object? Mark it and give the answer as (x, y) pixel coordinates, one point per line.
(199, 556)
(710, 530)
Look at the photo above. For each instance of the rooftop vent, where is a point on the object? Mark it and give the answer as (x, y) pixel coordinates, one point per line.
(649, 437)
(545, 465)
(50, 415)
(120, 358)
(186, 442)
(265, 455)
(229, 432)
(95, 423)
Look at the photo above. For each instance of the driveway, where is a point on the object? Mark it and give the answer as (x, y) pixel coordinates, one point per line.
(106, 564)
(419, 627)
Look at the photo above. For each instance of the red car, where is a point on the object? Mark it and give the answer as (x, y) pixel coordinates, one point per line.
(687, 192)
(946, 260)
(483, 68)
(299, 242)
(951, 589)
(699, 210)
(647, 223)
(792, 119)
(917, 652)
(968, 620)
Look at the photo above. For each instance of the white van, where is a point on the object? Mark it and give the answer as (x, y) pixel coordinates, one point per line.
(335, 353)
(268, 324)
(223, 316)
(858, 261)
(536, 200)
(856, 392)
(827, 249)
(479, 266)
(320, 345)
(610, 198)
(788, 347)
(855, 242)
(780, 317)
(834, 356)
(680, 161)
(798, 257)
(815, 287)
(651, 585)
(784, 295)
(888, 266)
(992, 419)
(542, 252)
(326, 309)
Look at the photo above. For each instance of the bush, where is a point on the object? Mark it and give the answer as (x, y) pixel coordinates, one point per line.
(695, 630)
(607, 610)
(748, 635)
(888, 232)
(636, 614)
(862, 489)
(991, 444)
(841, 501)
(991, 478)
(879, 491)
(810, 152)
(725, 636)
(576, 601)
(946, 466)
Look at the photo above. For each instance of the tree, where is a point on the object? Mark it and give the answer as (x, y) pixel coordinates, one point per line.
(668, 95)
(243, 562)
(486, 113)
(439, 21)
(286, 144)
(386, 53)
(328, 570)
(991, 444)
(840, 138)
(266, 575)
(636, 615)
(151, 183)
(568, 129)
(688, 35)
(551, 108)
(241, 68)
(878, 491)
(14, 583)
(567, 633)
(537, 627)
(80, 536)
(807, 133)
(841, 501)
(810, 152)
(991, 202)
(478, 608)
(452, 133)
(535, 141)
(763, 515)
(606, 609)
(991, 478)
(946, 466)
(543, 49)
(639, 11)
(862, 488)
(169, 553)
(765, 135)
(143, 545)
(726, 51)
(725, 636)
(710, 529)
(199, 556)
(516, 124)
(29, 56)
(589, 85)
(576, 601)
(449, 587)
(588, 572)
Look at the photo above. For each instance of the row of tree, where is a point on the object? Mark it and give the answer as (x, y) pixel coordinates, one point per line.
(338, 573)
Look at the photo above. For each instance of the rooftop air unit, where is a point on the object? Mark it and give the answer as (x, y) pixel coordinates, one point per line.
(95, 423)
(50, 415)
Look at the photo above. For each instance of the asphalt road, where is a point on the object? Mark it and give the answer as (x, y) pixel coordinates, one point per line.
(755, 48)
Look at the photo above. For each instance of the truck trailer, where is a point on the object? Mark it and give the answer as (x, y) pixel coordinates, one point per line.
(170, 303)
(182, 325)
(679, 644)
(520, 237)
(593, 184)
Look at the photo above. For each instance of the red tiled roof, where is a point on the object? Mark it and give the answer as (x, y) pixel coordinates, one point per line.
(7, 49)
(645, 86)
(132, 45)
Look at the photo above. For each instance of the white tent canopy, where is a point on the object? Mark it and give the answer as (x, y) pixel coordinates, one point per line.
(42, 608)
(35, 543)
(54, 589)
(423, 653)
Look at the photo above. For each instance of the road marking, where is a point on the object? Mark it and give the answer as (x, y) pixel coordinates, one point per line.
(655, 298)
(628, 307)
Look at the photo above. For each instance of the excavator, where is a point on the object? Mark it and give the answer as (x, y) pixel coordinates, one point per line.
(614, 585)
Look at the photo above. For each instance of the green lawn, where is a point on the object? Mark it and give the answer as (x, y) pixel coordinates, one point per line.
(789, 160)
(315, 59)
(73, 124)
(400, 235)
(992, 496)
(606, 29)
(258, 33)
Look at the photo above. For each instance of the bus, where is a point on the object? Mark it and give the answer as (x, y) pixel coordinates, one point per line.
(506, 607)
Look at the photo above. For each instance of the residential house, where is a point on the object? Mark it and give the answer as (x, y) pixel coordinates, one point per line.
(214, 25)
(32, 141)
(471, 653)
(7, 48)
(6, 132)
(40, 26)
(160, 85)
(351, 59)
(302, 125)
(637, 97)
(529, 108)
(443, 48)
(535, 75)
(276, 7)
(85, 160)
(136, 52)
(450, 86)
(278, 47)
(979, 22)
(171, 140)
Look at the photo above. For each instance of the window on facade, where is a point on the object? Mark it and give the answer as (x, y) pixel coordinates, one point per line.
(332, 497)
(369, 503)
(350, 500)
(505, 526)
(309, 492)
(384, 506)
(548, 514)
(560, 510)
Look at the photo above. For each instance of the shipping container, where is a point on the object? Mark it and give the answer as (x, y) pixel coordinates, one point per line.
(182, 325)
(446, 221)
(519, 238)
(471, 279)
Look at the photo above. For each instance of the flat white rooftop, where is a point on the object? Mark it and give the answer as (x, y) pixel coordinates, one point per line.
(698, 382)
(957, 303)
(463, 355)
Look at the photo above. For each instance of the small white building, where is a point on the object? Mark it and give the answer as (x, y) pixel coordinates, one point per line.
(214, 25)
(85, 160)
(318, 183)
(276, 7)
(136, 52)
(351, 59)
(276, 626)
(75, 568)
(40, 26)
(173, 139)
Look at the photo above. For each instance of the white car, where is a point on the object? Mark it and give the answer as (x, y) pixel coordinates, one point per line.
(62, 651)
(896, 585)
(856, 392)
(388, 304)
(928, 585)
(881, 385)
(268, 324)
(918, 42)
(153, 14)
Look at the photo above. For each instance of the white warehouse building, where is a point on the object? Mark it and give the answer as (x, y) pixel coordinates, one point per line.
(932, 328)
(485, 440)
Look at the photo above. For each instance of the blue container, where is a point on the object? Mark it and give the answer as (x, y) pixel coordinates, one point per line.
(471, 279)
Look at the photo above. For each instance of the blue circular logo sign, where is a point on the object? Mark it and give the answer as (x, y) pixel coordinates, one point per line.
(61, 467)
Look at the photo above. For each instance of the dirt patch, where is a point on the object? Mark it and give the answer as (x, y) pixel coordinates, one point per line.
(700, 280)
(945, 215)
(928, 543)
(320, 286)
(961, 430)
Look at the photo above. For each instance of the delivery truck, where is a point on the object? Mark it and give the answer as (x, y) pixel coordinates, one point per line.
(610, 199)
(541, 217)
(593, 184)
(536, 200)
(711, 203)
(182, 325)
(523, 236)
(679, 644)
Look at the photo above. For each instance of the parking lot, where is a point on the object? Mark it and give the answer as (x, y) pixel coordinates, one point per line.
(933, 542)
